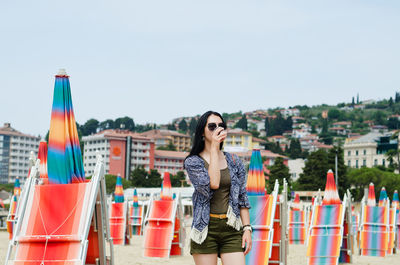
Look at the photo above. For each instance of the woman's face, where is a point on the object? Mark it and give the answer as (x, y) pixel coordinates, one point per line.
(211, 119)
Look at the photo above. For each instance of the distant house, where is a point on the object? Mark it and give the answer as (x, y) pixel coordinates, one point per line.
(289, 112)
(345, 124)
(339, 130)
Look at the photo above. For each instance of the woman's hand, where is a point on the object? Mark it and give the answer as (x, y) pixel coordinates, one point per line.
(246, 241)
(218, 136)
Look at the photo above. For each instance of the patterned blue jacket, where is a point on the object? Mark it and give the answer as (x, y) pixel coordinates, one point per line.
(202, 194)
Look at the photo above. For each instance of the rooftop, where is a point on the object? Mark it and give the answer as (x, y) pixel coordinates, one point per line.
(156, 134)
(8, 130)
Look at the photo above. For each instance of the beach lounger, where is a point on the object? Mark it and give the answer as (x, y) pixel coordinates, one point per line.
(262, 213)
(53, 230)
(159, 228)
(118, 223)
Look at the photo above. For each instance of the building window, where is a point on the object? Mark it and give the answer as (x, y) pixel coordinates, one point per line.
(364, 163)
(375, 162)
(365, 152)
(383, 162)
(348, 153)
(356, 163)
(356, 152)
(349, 163)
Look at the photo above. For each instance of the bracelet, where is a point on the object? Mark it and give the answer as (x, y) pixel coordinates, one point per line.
(246, 226)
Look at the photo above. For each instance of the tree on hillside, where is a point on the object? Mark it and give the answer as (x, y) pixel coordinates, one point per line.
(192, 126)
(361, 178)
(294, 151)
(126, 122)
(242, 123)
(107, 124)
(266, 125)
(90, 127)
(278, 171)
(183, 126)
(397, 97)
(314, 172)
(333, 114)
(171, 127)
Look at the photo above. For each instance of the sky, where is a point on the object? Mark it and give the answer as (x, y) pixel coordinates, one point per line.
(158, 60)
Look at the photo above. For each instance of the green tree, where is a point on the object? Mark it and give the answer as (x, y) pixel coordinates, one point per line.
(111, 181)
(107, 124)
(126, 122)
(183, 126)
(314, 172)
(178, 179)
(278, 171)
(294, 150)
(171, 127)
(141, 178)
(242, 123)
(333, 114)
(90, 127)
(192, 126)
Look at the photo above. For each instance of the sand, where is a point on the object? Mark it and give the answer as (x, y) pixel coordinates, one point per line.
(132, 255)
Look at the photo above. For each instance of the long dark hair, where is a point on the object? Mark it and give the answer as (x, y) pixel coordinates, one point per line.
(198, 141)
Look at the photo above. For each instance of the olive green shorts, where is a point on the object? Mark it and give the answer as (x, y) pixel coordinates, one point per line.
(221, 238)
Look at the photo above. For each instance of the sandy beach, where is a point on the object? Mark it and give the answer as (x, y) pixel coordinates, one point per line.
(132, 255)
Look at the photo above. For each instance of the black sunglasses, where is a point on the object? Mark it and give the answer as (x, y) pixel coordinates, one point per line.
(212, 126)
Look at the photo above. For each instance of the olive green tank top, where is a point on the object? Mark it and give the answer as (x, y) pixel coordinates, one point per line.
(219, 201)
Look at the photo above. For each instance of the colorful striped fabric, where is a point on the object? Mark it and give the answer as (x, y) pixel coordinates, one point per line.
(392, 230)
(135, 198)
(371, 195)
(325, 235)
(255, 178)
(297, 227)
(396, 205)
(11, 216)
(374, 231)
(331, 195)
(166, 190)
(64, 155)
(17, 187)
(119, 190)
(42, 155)
(135, 219)
(261, 219)
(118, 223)
(296, 202)
(382, 197)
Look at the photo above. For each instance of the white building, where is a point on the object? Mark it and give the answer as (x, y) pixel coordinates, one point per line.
(296, 168)
(363, 151)
(15, 149)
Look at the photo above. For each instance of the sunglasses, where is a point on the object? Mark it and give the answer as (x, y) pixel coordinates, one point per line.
(212, 126)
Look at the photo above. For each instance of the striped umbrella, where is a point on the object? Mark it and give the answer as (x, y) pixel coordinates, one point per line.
(64, 155)
(255, 179)
(135, 198)
(17, 187)
(119, 190)
(331, 195)
(42, 155)
(166, 192)
(382, 197)
(395, 202)
(371, 195)
(296, 202)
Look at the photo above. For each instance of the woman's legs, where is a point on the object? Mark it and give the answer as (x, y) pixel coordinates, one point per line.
(234, 258)
(205, 259)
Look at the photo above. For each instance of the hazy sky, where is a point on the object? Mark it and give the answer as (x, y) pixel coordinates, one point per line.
(157, 60)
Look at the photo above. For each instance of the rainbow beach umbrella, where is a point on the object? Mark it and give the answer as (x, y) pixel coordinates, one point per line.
(166, 190)
(17, 187)
(371, 195)
(395, 202)
(255, 179)
(296, 202)
(42, 155)
(119, 190)
(135, 199)
(64, 155)
(382, 197)
(331, 195)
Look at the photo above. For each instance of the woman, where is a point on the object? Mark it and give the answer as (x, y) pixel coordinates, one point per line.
(220, 202)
